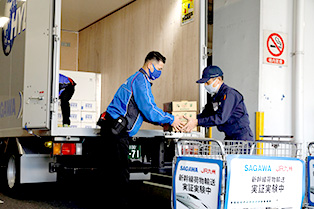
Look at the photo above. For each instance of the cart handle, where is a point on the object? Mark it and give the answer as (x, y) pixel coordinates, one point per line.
(274, 136)
(274, 141)
(277, 142)
(308, 147)
(223, 153)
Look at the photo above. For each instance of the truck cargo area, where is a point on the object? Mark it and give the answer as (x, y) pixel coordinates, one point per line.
(34, 144)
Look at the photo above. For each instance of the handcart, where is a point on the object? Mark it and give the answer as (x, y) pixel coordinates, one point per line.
(310, 176)
(209, 173)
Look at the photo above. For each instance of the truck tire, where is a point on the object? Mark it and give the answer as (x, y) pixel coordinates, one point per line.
(13, 174)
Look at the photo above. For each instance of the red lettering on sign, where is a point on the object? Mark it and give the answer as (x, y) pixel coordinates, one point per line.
(275, 60)
(208, 171)
(284, 168)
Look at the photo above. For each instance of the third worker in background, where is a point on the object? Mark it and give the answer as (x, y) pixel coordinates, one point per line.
(66, 91)
(225, 108)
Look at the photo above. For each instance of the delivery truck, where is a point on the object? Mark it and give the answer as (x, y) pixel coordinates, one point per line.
(33, 146)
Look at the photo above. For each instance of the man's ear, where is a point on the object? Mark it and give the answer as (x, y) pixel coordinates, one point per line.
(150, 65)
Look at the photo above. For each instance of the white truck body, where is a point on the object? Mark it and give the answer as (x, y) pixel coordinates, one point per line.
(29, 87)
(28, 59)
(30, 71)
(29, 91)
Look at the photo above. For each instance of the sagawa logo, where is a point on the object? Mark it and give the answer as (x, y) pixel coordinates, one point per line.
(188, 168)
(257, 168)
(16, 25)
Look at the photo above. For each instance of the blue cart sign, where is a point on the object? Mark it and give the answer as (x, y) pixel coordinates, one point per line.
(197, 183)
(264, 182)
(310, 183)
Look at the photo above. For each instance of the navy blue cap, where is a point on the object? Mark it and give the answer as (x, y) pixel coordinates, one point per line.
(210, 72)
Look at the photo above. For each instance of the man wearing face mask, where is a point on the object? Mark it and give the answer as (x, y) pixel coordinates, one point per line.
(225, 109)
(132, 104)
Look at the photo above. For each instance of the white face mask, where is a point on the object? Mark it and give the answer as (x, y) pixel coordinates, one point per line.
(211, 89)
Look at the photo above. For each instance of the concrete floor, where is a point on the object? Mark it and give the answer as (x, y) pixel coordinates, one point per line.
(80, 194)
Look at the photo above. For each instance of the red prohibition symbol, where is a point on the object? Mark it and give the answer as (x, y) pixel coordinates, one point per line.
(275, 44)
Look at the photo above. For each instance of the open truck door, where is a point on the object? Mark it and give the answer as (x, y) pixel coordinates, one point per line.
(42, 33)
(27, 62)
(27, 66)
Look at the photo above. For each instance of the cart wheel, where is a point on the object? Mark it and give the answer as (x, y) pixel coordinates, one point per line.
(13, 174)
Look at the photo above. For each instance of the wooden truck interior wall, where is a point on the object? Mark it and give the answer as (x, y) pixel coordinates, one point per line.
(117, 45)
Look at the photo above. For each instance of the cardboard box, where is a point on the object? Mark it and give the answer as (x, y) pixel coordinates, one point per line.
(177, 106)
(88, 106)
(59, 116)
(89, 117)
(187, 114)
(75, 125)
(75, 116)
(193, 115)
(88, 125)
(74, 105)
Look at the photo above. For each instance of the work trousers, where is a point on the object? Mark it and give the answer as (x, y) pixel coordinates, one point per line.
(116, 166)
(246, 134)
(65, 97)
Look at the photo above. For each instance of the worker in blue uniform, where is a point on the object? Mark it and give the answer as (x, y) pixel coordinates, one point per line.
(132, 104)
(66, 91)
(225, 109)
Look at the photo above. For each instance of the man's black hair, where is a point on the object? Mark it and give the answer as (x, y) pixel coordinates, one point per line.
(153, 55)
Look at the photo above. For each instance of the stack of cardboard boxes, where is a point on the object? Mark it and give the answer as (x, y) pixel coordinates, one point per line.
(181, 108)
(85, 103)
(83, 114)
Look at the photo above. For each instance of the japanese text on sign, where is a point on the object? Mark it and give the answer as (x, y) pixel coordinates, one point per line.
(267, 184)
(196, 184)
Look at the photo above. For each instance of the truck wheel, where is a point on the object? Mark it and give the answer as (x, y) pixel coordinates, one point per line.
(13, 171)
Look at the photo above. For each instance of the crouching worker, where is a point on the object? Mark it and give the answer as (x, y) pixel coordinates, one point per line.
(132, 104)
(225, 109)
(66, 91)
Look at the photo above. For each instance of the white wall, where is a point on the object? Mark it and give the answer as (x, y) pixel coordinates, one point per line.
(309, 71)
(275, 93)
(236, 49)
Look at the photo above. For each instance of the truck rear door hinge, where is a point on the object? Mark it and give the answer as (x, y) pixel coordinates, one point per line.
(204, 54)
(52, 104)
(55, 33)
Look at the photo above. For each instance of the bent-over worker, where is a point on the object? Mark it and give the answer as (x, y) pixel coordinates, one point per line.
(66, 91)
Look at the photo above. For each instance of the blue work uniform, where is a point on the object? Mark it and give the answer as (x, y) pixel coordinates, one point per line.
(227, 111)
(64, 81)
(134, 100)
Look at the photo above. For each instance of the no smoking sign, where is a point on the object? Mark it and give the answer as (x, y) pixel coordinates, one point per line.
(275, 49)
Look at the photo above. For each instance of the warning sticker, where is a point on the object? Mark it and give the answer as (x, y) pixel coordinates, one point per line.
(187, 14)
(275, 50)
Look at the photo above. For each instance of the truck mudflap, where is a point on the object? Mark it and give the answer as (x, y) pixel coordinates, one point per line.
(35, 168)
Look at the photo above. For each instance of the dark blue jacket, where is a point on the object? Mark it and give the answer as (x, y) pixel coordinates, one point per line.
(227, 111)
(135, 101)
